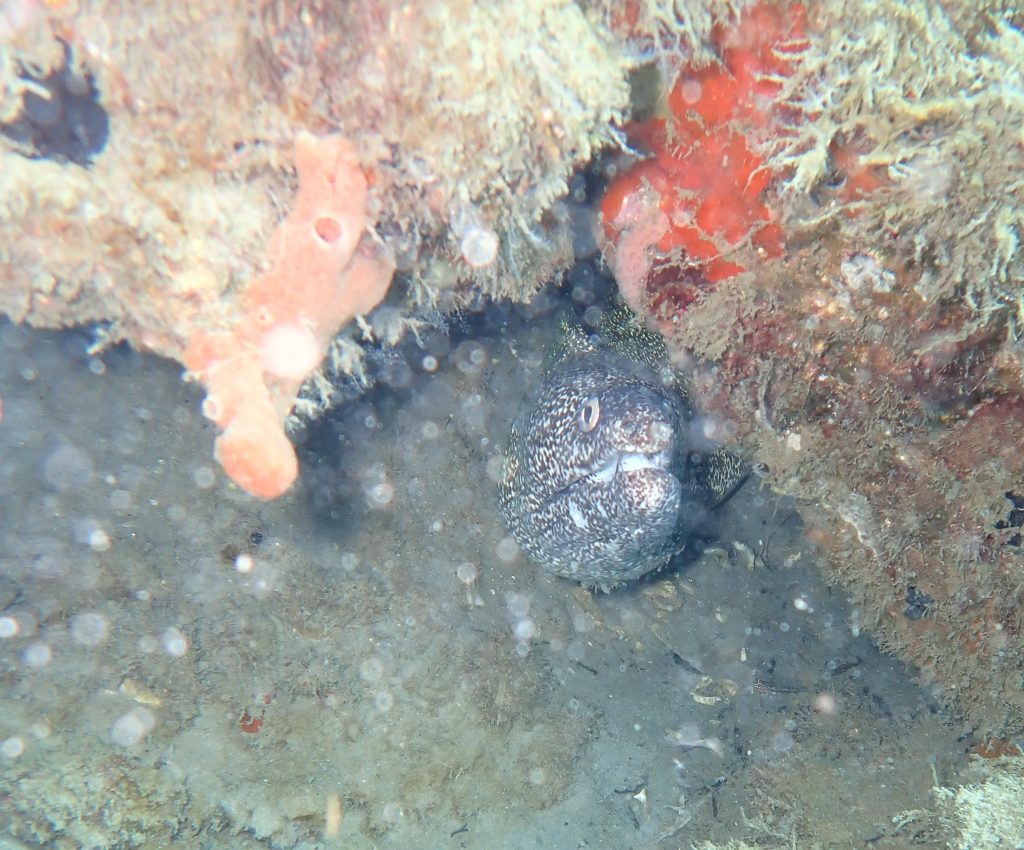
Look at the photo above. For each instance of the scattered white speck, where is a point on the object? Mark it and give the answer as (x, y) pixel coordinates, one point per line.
(495, 464)
(37, 655)
(174, 642)
(691, 91)
(68, 468)
(824, 703)
(371, 669)
(12, 747)
(204, 477)
(470, 357)
(782, 742)
(525, 629)
(99, 540)
(89, 629)
(131, 728)
(479, 247)
(507, 550)
(380, 494)
(290, 351)
(384, 701)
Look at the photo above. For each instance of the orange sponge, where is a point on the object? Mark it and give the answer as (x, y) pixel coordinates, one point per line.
(320, 279)
(704, 176)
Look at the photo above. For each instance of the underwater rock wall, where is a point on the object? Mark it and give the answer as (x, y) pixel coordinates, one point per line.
(464, 124)
(875, 368)
(869, 351)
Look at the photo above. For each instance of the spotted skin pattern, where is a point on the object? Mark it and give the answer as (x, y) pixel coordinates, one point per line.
(602, 482)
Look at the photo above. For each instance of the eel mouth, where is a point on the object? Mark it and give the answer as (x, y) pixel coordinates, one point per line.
(627, 462)
(618, 463)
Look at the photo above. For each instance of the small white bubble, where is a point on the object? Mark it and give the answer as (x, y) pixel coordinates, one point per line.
(782, 742)
(801, 604)
(582, 295)
(525, 629)
(132, 728)
(466, 572)
(204, 477)
(37, 655)
(783, 627)
(470, 357)
(99, 540)
(507, 550)
(429, 363)
(690, 90)
(384, 701)
(12, 747)
(479, 247)
(824, 703)
(97, 366)
(174, 642)
(371, 669)
(430, 430)
(518, 605)
(244, 563)
(89, 629)
(68, 468)
(495, 467)
(392, 812)
(9, 627)
(380, 495)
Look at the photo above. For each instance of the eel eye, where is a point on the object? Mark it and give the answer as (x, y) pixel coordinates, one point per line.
(589, 414)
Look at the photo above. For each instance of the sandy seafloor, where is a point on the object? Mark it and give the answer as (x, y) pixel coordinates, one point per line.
(183, 665)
